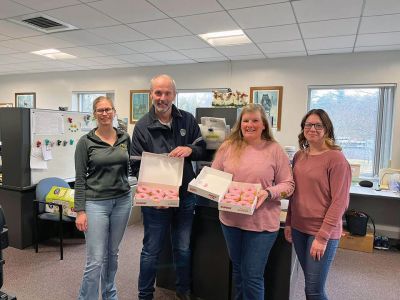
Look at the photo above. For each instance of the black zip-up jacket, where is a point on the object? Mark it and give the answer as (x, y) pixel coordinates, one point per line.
(151, 136)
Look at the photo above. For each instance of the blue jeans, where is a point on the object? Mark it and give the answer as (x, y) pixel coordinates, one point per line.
(156, 223)
(248, 251)
(107, 220)
(315, 272)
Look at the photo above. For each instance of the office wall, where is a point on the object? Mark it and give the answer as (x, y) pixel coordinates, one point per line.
(294, 74)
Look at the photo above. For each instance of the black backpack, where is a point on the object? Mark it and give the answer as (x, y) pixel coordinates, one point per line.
(357, 222)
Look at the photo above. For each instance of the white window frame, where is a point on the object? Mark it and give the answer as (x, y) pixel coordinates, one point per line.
(77, 98)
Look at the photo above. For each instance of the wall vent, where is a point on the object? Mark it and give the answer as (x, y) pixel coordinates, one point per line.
(43, 23)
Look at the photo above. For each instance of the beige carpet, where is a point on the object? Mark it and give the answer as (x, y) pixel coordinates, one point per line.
(43, 276)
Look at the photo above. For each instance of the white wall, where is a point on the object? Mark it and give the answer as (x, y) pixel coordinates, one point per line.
(294, 74)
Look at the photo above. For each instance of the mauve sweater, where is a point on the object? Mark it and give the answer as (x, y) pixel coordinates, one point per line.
(322, 194)
(266, 164)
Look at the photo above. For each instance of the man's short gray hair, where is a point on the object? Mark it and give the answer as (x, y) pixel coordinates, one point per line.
(165, 76)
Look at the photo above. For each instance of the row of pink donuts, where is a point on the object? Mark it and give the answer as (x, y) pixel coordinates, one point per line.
(245, 190)
(240, 203)
(149, 191)
(155, 197)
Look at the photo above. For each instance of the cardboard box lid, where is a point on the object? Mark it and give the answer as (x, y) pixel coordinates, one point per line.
(161, 169)
(218, 181)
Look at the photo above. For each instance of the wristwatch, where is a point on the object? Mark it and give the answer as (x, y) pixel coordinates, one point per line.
(269, 195)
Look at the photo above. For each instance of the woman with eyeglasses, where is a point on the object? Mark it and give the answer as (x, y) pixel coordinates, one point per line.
(252, 155)
(102, 199)
(314, 221)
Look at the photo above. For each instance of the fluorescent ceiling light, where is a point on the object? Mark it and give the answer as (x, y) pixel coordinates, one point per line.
(225, 38)
(53, 54)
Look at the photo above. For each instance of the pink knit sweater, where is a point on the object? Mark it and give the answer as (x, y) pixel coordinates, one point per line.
(322, 194)
(266, 164)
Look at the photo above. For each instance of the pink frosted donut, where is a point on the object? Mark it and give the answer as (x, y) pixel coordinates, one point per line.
(141, 196)
(171, 197)
(248, 199)
(156, 198)
(249, 189)
(248, 195)
(159, 195)
(235, 190)
(228, 200)
(232, 196)
(171, 192)
(157, 191)
(143, 189)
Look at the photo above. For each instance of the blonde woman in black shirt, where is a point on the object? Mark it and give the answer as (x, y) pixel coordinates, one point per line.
(102, 199)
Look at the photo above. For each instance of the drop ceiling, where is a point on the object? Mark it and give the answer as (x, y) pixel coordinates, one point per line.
(132, 33)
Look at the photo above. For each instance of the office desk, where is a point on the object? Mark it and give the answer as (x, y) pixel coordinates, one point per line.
(211, 267)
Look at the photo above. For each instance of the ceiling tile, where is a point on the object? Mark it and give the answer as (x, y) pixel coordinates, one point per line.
(247, 57)
(274, 34)
(317, 10)
(286, 54)
(18, 45)
(231, 4)
(5, 50)
(330, 51)
(11, 9)
(150, 63)
(48, 41)
(108, 60)
(263, 16)
(184, 42)
(167, 55)
(16, 31)
(120, 33)
(3, 37)
(80, 37)
(129, 11)
(381, 7)
(179, 62)
(377, 48)
(211, 59)
(378, 39)
(82, 52)
(85, 62)
(44, 5)
(82, 16)
(201, 53)
(375, 24)
(136, 58)
(329, 28)
(211, 22)
(247, 49)
(22, 57)
(284, 46)
(146, 46)
(111, 49)
(175, 8)
(6, 59)
(330, 42)
(160, 28)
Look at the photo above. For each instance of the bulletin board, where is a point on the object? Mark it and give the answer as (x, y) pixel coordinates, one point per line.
(54, 135)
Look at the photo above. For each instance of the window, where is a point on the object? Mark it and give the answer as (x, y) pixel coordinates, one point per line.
(83, 101)
(190, 100)
(362, 118)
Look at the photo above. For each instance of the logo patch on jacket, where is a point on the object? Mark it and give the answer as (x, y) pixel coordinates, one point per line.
(183, 132)
(123, 147)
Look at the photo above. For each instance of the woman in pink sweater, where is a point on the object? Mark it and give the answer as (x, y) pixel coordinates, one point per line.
(314, 221)
(252, 155)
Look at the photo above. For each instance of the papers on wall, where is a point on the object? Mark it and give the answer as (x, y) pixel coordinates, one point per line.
(37, 161)
(46, 152)
(44, 123)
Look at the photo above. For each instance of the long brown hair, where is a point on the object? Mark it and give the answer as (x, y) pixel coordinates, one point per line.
(329, 130)
(235, 139)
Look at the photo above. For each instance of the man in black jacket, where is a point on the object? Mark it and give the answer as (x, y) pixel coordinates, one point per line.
(167, 129)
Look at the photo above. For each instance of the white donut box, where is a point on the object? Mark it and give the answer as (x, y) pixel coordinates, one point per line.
(160, 171)
(214, 184)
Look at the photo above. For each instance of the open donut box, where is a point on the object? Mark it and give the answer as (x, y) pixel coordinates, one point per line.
(160, 171)
(214, 184)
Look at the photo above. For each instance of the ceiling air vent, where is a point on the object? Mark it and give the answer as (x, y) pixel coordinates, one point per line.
(43, 23)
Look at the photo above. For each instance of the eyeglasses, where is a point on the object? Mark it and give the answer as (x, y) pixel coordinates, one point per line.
(317, 126)
(101, 111)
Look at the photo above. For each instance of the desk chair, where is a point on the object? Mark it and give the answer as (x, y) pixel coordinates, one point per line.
(42, 189)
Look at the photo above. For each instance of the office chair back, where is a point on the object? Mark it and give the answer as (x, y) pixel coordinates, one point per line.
(44, 186)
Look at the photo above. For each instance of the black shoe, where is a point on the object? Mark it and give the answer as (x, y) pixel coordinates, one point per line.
(385, 243)
(378, 242)
(184, 296)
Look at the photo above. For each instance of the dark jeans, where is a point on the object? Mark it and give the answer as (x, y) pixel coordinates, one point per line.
(156, 223)
(315, 272)
(248, 251)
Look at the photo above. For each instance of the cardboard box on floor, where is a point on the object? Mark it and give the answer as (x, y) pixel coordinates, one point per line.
(357, 243)
(160, 171)
(214, 184)
(63, 196)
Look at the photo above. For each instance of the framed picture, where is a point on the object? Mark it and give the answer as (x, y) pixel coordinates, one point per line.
(139, 104)
(6, 105)
(27, 100)
(270, 97)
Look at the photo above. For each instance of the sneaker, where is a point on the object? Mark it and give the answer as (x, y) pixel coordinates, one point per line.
(378, 242)
(385, 243)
